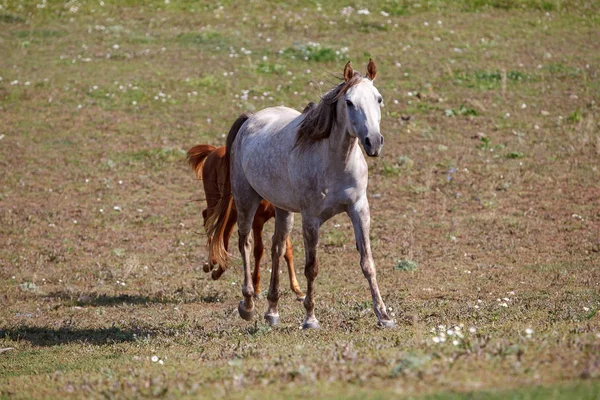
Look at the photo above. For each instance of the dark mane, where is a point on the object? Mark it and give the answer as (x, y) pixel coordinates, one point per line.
(319, 119)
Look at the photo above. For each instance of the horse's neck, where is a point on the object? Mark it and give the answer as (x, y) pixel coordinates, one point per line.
(340, 145)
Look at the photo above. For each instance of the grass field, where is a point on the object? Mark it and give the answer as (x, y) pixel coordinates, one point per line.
(485, 203)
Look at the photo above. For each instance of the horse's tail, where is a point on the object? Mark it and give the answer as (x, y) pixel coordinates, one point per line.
(215, 224)
(196, 157)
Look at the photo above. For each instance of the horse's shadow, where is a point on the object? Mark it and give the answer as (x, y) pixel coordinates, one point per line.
(107, 300)
(43, 336)
(47, 336)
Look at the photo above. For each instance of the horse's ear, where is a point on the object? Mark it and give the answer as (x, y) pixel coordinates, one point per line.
(371, 70)
(348, 72)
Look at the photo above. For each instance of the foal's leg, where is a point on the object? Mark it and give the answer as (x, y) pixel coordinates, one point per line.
(310, 231)
(284, 220)
(292, 272)
(216, 274)
(361, 220)
(210, 264)
(259, 250)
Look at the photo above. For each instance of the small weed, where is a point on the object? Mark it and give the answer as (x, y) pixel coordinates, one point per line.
(485, 143)
(462, 110)
(410, 362)
(405, 265)
(269, 69)
(515, 154)
(204, 81)
(405, 162)
(490, 80)
(314, 52)
(11, 19)
(259, 329)
(397, 8)
(119, 252)
(40, 34)
(29, 287)
(165, 154)
(390, 169)
(369, 27)
(576, 116)
(206, 38)
(563, 71)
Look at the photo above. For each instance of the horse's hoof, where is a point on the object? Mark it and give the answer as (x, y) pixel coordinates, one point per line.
(272, 319)
(300, 297)
(386, 323)
(207, 267)
(258, 295)
(311, 325)
(216, 274)
(246, 315)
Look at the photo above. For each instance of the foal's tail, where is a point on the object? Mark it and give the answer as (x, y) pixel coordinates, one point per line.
(196, 157)
(215, 225)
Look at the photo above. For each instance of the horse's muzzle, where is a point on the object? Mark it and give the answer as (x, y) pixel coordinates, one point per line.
(373, 144)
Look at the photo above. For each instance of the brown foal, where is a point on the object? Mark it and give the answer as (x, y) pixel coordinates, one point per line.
(208, 163)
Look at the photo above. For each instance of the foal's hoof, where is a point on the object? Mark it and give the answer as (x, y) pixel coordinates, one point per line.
(216, 274)
(207, 267)
(272, 319)
(386, 323)
(246, 315)
(311, 325)
(300, 297)
(258, 295)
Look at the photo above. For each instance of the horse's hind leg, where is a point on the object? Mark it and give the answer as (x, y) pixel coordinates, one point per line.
(284, 220)
(246, 201)
(289, 259)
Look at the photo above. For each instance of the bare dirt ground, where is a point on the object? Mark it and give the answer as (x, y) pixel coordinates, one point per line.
(485, 204)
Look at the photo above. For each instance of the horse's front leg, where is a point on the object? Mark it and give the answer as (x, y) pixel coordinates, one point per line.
(310, 231)
(284, 220)
(361, 220)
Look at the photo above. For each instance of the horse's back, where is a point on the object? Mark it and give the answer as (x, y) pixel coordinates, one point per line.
(271, 121)
(262, 151)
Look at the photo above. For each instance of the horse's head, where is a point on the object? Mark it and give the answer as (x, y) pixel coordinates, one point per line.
(362, 105)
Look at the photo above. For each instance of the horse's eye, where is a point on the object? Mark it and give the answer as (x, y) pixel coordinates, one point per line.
(349, 103)
(380, 100)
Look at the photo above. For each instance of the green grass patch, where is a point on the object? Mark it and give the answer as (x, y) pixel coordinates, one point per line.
(10, 19)
(267, 68)
(406, 265)
(211, 39)
(490, 80)
(314, 52)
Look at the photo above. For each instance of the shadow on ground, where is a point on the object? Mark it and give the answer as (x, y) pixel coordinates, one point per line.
(41, 336)
(106, 300)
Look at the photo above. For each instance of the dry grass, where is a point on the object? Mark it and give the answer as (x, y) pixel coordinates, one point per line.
(490, 189)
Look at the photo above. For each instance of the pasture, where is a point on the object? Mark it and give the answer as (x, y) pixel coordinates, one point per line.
(485, 203)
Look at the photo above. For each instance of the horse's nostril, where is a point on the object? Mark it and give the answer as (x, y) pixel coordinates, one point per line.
(367, 142)
(382, 139)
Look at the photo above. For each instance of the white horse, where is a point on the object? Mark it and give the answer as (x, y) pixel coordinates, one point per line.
(308, 163)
